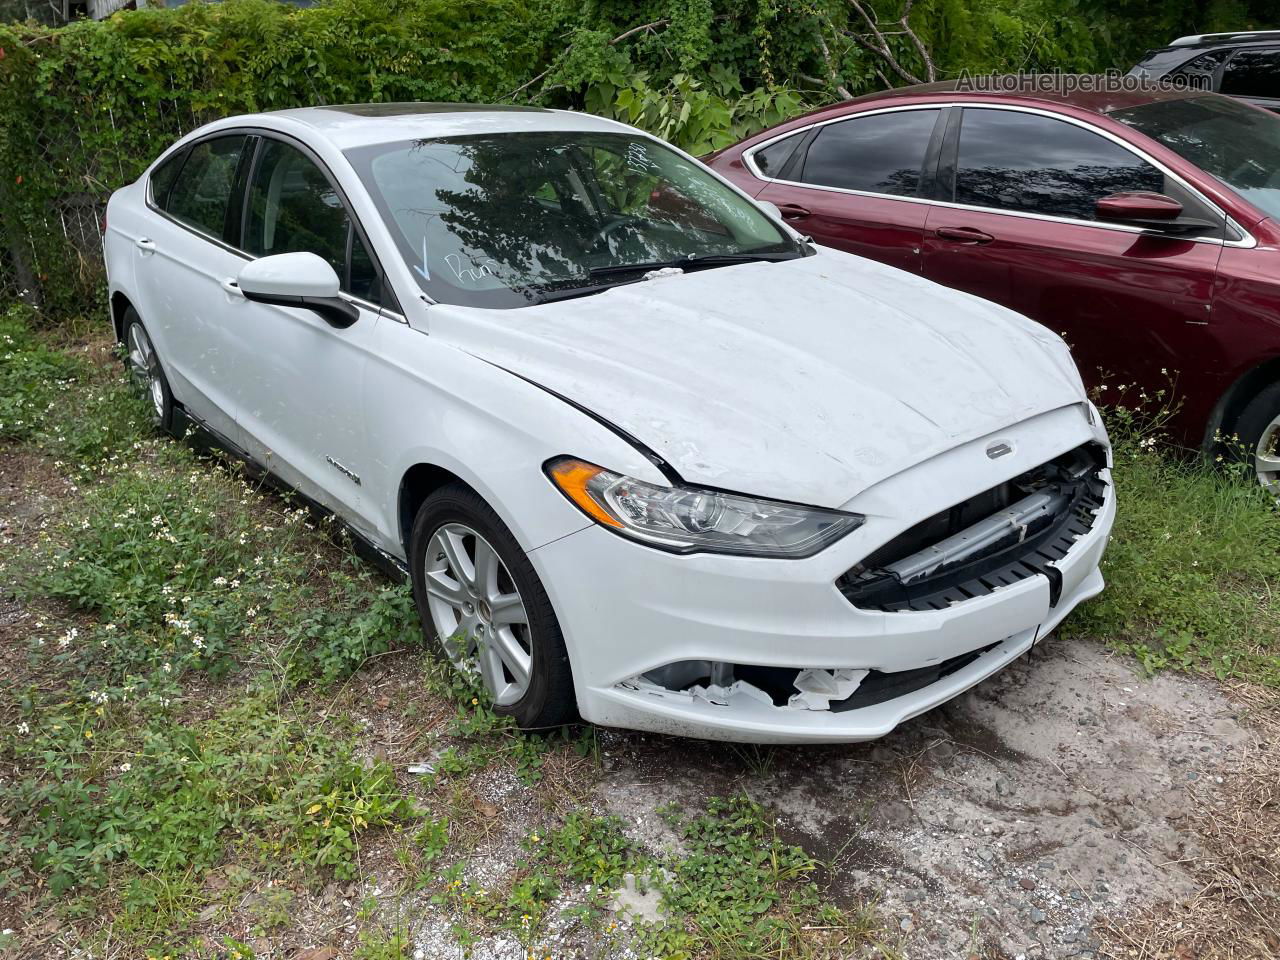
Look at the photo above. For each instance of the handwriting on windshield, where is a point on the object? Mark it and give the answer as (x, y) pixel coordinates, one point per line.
(638, 158)
(474, 273)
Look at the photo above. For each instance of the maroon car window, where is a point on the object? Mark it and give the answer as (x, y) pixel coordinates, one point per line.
(882, 153)
(1253, 73)
(1009, 160)
(770, 160)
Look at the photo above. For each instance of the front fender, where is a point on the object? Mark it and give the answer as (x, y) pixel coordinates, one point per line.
(431, 403)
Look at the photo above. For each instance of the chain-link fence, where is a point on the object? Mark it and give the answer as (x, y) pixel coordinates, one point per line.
(53, 198)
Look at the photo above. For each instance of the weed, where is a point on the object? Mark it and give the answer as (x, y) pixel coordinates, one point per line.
(1193, 561)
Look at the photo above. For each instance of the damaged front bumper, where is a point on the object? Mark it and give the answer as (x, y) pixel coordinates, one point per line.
(821, 650)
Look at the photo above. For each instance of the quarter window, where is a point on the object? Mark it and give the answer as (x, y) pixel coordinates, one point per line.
(201, 191)
(293, 208)
(163, 176)
(774, 157)
(1253, 73)
(883, 153)
(1021, 161)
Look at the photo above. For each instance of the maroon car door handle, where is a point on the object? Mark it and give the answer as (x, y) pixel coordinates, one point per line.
(963, 235)
(793, 211)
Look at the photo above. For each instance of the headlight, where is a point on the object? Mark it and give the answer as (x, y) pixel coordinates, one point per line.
(688, 519)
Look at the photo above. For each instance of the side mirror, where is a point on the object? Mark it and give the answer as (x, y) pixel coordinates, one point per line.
(769, 207)
(297, 280)
(1151, 211)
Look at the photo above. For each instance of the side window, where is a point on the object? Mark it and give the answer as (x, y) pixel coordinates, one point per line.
(201, 191)
(883, 153)
(293, 208)
(1200, 73)
(1253, 73)
(163, 176)
(774, 157)
(1021, 161)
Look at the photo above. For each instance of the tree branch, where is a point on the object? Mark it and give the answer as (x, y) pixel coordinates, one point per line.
(651, 27)
(876, 41)
(832, 77)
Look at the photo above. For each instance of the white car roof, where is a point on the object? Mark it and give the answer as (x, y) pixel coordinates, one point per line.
(356, 125)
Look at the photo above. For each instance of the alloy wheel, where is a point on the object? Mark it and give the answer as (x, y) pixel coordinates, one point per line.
(1266, 459)
(145, 366)
(477, 611)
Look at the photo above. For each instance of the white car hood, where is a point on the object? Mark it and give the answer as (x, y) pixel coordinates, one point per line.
(808, 380)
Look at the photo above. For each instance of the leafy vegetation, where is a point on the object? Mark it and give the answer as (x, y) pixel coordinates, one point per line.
(86, 107)
(1194, 560)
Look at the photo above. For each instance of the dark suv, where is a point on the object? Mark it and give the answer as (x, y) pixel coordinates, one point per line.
(1244, 65)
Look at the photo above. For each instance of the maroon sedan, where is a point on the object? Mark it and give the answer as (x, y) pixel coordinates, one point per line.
(1144, 226)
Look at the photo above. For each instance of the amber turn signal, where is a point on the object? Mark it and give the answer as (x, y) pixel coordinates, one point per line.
(572, 477)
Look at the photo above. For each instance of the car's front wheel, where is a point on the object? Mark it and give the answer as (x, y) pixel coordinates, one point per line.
(1259, 432)
(143, 363)
(482, 604)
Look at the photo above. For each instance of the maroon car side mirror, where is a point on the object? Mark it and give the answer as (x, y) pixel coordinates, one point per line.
(1153, 211)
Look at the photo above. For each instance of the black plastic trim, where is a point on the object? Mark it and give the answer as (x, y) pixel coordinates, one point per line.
(879, 686)
(1041, 545)
(944, 184)
(335, 311)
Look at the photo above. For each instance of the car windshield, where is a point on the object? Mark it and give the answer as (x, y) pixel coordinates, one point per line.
(511, 219)
(1237, 143)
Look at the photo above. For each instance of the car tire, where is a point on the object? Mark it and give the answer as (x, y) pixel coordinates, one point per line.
(143, 363)
(1259, 431)
(453, 528)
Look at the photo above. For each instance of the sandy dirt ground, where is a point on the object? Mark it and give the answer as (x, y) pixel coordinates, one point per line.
(1010, 822)
(1059, 809)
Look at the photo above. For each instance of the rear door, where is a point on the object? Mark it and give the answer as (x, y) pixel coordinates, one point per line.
(181, 261)
(860, 184)
(1021, 230)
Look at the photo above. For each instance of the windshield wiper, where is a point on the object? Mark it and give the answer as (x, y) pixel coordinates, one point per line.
(693, 260)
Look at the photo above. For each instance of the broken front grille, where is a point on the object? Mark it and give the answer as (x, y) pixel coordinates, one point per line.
(1009, 533)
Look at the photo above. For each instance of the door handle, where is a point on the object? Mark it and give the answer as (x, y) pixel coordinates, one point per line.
(966, 235)
(230, 286)
(792, 211)
(145, 244)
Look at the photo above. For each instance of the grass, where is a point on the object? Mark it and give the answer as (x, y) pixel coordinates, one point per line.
(1193, 570)
(195, 666)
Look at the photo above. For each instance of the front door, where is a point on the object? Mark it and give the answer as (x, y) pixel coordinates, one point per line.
(859, 185)
(300, 405)
(1022, 231)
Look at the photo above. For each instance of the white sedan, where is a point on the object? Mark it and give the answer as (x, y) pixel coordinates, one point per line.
(648, 456)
